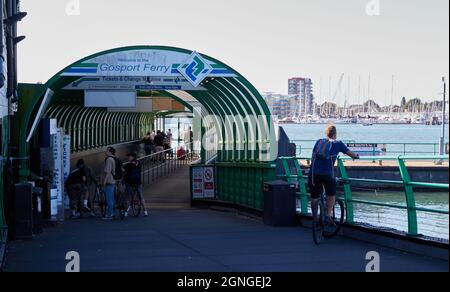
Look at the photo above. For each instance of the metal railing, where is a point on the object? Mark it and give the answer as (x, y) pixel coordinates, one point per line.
(160, 164)
(410, 205)
(305, 147)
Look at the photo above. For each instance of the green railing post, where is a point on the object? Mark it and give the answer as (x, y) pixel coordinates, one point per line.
(347, 192)
(410, 200)
(302, 187)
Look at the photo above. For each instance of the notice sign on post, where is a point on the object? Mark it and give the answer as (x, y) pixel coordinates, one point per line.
(368, 149)
(203, 183)
(208, 183)
(197, 183)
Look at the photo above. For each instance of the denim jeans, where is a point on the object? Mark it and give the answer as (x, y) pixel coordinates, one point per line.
(110, 201)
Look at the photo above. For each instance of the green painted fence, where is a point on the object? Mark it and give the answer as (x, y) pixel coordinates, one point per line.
(242, 183)
(406, 182)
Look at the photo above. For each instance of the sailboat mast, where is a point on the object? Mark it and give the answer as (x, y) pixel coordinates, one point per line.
(368, 96)
(392, 97)
(359, 95)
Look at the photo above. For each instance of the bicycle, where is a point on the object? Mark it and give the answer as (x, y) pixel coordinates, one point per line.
(121, 200)
(99, 202)
(136, 203)
(127, 202)
(322, 230)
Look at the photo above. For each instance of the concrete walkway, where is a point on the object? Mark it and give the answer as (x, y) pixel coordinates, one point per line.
(172, 191)
(191, 240)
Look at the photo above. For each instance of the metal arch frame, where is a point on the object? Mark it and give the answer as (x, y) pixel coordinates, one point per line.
(102, 136)
(126, 124)
(93, 141)
(252, 92)
(228, 125)
(219, 111)
(122, 127)
(135, 126)
(142, 124)
(240, 143)
(257, 111)
(251, 155)
(148, 123)
(50, 110)
(209, 108)
(111, 128)
(78, 132)
(84, 127)
(69, 129)
(240, 82)
(114, 125)
(228, 155)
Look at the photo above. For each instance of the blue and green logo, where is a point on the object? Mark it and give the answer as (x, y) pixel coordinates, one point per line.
(195, 69)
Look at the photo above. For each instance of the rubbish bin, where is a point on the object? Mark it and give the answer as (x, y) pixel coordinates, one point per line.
(37, 210)
(23, 205)
(279, 203)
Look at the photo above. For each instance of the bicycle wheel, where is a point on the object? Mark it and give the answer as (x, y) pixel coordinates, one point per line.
(338, 218)
(121, 206)
(80, 206)
(136, 205)
(99, 203)
(317, 223)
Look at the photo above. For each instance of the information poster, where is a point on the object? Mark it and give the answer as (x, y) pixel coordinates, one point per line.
(208, 183)
(58, 172)
(197, 182)
(66, 167)
(54, 202)
(203, 183)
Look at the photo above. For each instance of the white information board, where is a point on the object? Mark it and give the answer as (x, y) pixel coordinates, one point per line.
(66, 166)
(111, 99)
(197, 182)
(203, 183)
(368, 149)
(58, 172)
(208, 183)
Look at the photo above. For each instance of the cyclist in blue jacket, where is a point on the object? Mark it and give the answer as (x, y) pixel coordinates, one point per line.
(321, 175)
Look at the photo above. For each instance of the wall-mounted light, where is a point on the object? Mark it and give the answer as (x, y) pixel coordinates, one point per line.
(15, 18)
(18, 39)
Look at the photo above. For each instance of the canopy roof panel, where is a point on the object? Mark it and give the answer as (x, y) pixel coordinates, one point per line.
(189, 77)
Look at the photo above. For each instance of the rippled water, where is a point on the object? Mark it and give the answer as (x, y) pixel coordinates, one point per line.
(429, 224)
(435, 225)
(373, 134)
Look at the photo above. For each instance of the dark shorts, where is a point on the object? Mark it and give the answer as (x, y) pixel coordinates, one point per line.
(321, 183)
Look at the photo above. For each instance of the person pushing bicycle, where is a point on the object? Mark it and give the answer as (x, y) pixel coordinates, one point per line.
(321, 174)
(133, 182)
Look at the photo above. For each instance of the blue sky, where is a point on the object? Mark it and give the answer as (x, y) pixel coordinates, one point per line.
(267, 41)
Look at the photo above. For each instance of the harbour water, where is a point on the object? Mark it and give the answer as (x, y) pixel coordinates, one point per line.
(429, 224)
(377, 133)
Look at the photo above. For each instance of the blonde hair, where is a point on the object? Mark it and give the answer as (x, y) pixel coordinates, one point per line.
(331, 131)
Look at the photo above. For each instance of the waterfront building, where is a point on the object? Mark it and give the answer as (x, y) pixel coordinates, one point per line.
(301, 89)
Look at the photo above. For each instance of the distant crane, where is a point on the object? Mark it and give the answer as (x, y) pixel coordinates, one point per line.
(338, 90)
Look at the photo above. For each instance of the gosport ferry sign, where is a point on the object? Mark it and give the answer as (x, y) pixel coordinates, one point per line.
(151, 63)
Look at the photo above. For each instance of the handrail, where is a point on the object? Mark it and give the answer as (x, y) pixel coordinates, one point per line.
(405, 150)
(346, 181)
(162, 163)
